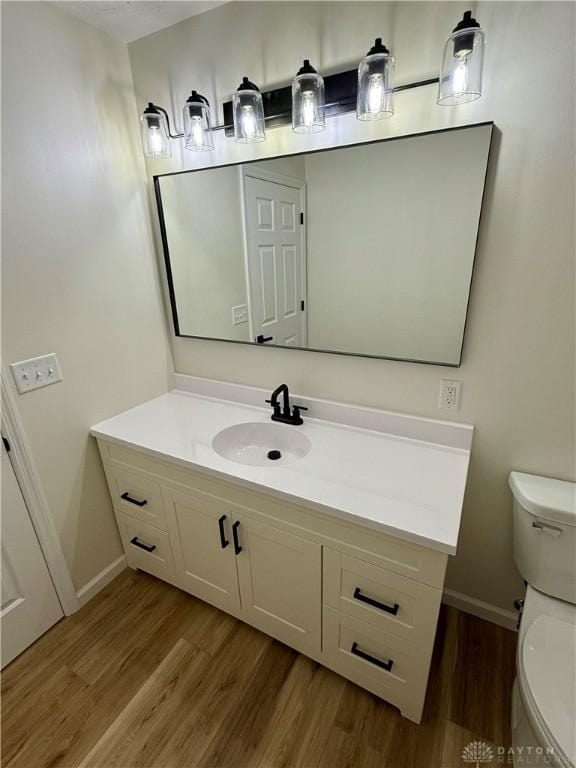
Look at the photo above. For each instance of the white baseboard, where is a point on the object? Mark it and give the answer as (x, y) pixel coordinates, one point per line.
(90, 590)
(483, 610)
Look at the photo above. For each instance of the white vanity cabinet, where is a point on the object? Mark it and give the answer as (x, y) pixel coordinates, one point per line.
(269, 577)
(361, 602)
(200, 531)
(280, 576)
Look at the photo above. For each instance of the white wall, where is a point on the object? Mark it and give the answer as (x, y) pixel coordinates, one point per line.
(518, 360)
(391, 239)
(206, 245)
(78, 269)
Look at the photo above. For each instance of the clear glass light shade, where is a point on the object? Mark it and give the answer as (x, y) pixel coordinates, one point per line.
(308, 101)
(375, 100)
(248, 114)
(197, 124)
(154, 131)
(462, 63)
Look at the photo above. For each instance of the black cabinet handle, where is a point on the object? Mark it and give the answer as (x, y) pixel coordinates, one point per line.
(147, 547)
(387, 665)
(261, 339)
(237, 547)
(393, 609)
(223, 540)
(126, 496)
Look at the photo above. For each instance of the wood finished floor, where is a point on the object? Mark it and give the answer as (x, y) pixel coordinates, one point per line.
(146, 676)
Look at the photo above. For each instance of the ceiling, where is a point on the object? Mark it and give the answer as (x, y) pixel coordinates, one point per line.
(129, 20)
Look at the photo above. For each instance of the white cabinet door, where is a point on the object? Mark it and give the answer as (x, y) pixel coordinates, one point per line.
(280, 583)
(29, 602)
(200, 528)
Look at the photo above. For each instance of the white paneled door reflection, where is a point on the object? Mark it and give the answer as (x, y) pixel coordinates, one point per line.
(275, 238)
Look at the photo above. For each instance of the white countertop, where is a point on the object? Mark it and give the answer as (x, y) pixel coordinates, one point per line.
(409, 488)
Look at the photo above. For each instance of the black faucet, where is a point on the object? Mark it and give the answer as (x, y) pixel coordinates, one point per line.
(285, 414)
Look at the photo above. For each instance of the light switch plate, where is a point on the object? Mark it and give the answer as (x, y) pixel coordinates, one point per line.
(240, 314)
(36, 372)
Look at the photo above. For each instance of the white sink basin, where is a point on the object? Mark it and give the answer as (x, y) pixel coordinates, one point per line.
(258, 444)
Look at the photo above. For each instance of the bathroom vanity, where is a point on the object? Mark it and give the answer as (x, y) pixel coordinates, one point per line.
(338, 548)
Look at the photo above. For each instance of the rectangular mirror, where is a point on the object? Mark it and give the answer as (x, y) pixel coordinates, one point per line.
(362, 250)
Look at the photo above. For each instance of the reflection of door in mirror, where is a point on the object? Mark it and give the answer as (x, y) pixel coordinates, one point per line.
(382, 265)
(275, 257)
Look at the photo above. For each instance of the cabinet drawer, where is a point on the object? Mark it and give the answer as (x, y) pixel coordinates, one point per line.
(146, 548)
(393, 603)
(365, 652)
(137, 495)
(383, 663)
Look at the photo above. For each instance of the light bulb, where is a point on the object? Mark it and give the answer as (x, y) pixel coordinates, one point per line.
(375, 93)
(197, 124)
(375, 99)
(156, 140)
(248, 121)
(248, 109)
(308, 108)
(460, 78)
(308, 100)
(462, 52)
(154, 132)
(197, 137)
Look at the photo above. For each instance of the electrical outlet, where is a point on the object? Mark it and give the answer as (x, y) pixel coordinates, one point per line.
(450, 394)
(36, 372)
(240, 314)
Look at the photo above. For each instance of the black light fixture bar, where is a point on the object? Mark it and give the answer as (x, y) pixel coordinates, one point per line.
(170, 134)
(341, 91)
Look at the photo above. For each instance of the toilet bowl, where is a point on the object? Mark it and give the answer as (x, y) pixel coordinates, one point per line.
(544, 695)
(543, 700)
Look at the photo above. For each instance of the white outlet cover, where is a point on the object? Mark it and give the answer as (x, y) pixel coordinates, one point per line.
(240, 314)
(36, 372)
(450, 394)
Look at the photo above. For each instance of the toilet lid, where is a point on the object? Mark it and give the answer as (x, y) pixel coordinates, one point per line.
(549, 662)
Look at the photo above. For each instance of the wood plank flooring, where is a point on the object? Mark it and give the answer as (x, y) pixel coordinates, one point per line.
(146, 676)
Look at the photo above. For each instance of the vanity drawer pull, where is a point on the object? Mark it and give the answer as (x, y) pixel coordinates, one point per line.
(139, 503)
(387, 665)
(147, 547)
(237, 545)
(393, 609)
(223, 540)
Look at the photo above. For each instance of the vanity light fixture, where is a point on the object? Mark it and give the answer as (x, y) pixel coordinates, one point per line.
(375, 97)
(370, 89)
(155, 132)
(248, 113)
(462, 62)
(308, 100)
(197, 123)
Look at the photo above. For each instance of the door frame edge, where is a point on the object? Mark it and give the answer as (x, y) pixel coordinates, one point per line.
(35, 500)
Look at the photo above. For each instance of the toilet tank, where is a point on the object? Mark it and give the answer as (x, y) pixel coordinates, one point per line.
(544, 533)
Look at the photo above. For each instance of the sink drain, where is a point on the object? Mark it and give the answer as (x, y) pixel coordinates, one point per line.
(274, 455)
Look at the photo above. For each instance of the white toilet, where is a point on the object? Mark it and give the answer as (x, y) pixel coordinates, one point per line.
(544, 697)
